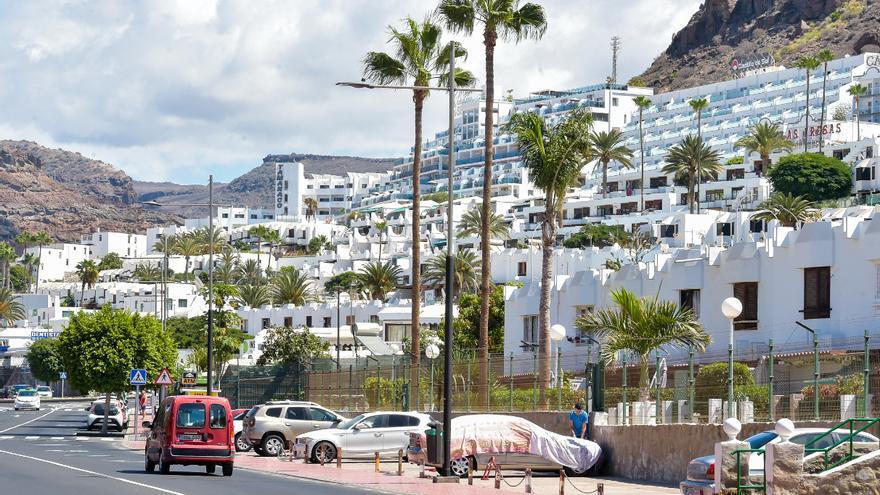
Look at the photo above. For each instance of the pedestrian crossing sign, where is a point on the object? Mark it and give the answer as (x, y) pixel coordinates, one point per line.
(164, 378)
(137, 377)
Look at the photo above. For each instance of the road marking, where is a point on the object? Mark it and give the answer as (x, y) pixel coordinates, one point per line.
(57, 438)
(102, 455)
(111, 439)
(26, 422)
(6, 437)
(67, 410)
(31, 438)
(93, 473)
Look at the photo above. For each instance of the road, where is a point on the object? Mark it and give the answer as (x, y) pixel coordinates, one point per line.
(40, 454)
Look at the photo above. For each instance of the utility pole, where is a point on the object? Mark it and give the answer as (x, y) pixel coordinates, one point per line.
(615, 47)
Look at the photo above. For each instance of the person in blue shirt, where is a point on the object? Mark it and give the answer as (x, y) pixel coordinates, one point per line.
(579, 420)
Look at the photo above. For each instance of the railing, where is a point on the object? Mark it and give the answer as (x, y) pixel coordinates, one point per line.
(747, 484)
(827, 463)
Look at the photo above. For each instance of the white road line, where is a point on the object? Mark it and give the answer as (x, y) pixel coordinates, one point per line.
(26, 422)
(93, 473)
(31, 438)
(67, 410)
(6, 437)
(111, 439)
(57, 438)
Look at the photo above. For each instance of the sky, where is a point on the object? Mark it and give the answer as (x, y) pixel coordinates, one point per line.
(176, 90)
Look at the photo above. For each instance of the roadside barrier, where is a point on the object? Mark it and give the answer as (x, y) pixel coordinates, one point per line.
(528, 479)
(400, 462)
(376, 459)
(339, 458)
(600, 488)
(562, 482)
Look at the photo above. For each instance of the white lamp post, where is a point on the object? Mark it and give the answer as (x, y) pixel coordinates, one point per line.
(731, 308)
(431, 352)
(557, 333)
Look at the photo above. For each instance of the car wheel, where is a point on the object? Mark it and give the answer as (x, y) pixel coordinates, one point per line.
(164, 467)
(149, 466)
(460, 467)
(240, 444)
(273, 445)
(210, 468)
(227, 469)
(324, 450)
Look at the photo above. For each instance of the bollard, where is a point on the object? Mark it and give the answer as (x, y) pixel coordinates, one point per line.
(339, 458)
(376, 458)
(422, 470)
(528, 480)
(292, 452)
(497, 479)
(321, 459)
(400, 462)
(600, 489)
(470, 474)
(561, 482)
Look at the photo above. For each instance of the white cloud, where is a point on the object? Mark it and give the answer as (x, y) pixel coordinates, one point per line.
(179, 89)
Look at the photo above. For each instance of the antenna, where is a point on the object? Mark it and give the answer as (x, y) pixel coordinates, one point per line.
(615, 47)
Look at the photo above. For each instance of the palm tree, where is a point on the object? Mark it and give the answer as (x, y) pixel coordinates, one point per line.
(467, 271)
(553, 156)
(254, 296)
(250, 272)
(419, 57)
(764, 139)
(7, 256)
(260, 232)
(788, 209)
(690, 157)
(208, 239)
(40, 239)
(698, 105)
(607, 146)
(30, 261)
(642, 102)
(471, 224)
(505, 19)
(273, 238)
(378, 279)
(858, 90)
(311, 207)
(146, 272)
(291, 286)
(641, 326)
(823, 56)
(87, 271)
(187, 245)
(809, 64)
(10, 309)
(380, 225)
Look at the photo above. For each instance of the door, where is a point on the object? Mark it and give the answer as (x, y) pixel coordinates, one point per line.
(396, 435)
(366, 437)
(296, 422)
(321, 418)
(218, 425)
(190, 423)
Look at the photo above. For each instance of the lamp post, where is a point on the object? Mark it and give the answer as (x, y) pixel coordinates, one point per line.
(451, 89)
(557, 333)
(731, 308)
(815, 369)
(431, 352)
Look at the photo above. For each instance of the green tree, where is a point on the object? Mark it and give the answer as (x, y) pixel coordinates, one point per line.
(699, 105)
(44, 359)
(764, 139)
(288, 346)
(381, 227)
(250, 273)
(7, 257)
(813, 176)
(378, 279)
(344, 283)
(259, 232)
(419, 58)
(99, 349)
(642, 103)
(471, 224)
(254, 296)
(466, 324)
(437, 197)
(187, 245)
(226, 343)
(689, 157)
(87, 272)
(147, 272)
(642, 326)
(10, 309)
(809, 64)
(40, 239)
(607, 147)
(711, 380)
(596, 235)
(638, 81)
(273, 239)
(18, 278)
(789, 210)
(208, 239)
(31, 262)
(318, 244)
(857, 91)
(553, 156)
(466, 270)
(186, 332)
(823, 56)
(111, 261)
(292, 286)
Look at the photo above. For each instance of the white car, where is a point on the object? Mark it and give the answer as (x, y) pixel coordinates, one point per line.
(27, 399)
(44, 391)
(241, 443)
(117, 417)
(362, 436)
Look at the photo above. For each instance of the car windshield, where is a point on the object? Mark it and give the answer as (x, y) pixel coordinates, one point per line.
(191, 415)
(28, 393)
(42, 388)
(761, 439)
(240, 416)
(345, 425)
(20, 387)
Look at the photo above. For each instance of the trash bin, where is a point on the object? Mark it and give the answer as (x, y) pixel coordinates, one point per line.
(434, 439)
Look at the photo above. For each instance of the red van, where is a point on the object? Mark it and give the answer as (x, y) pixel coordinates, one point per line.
(191, 430)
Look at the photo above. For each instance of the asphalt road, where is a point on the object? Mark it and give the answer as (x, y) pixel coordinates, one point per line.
(40, 454)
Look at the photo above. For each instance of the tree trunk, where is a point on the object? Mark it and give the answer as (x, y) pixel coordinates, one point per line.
(39, 262)
(691, 174)
(699, 169)
(822, 119)
(415, 350)
(489, 39)
(548, 238)
(82, 293)
(765, 163)
(858, 120)
(106, 413)
(644, 384)
(642, 160)
(259, 266)
(604, 179)
(807, 115)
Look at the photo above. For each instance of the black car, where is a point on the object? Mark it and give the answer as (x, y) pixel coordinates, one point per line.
(4, 393)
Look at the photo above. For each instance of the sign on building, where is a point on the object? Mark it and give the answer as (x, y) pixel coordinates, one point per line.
(188, 378)
(749, 63)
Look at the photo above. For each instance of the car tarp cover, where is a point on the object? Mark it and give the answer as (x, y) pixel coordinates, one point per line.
(495, 434)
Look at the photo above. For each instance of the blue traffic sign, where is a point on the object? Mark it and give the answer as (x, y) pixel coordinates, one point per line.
(137, 377)
(62, 375)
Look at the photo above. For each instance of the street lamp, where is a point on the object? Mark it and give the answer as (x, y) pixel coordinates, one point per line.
(451, 89)
(815, 369)
(557, 333)
(731, 308)
(431, 352)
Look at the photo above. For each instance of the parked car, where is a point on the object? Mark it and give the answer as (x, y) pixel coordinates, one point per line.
(5, 392)
(27, 399)
(272, 426)
(362, 436)
(18, 388)
(514, 443)
(191, 430)
(44, 391)
(241, 443)
(116, 417)
(701, 471)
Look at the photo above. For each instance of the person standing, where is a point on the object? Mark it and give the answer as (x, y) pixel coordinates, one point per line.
(142, 402)
(579, 420)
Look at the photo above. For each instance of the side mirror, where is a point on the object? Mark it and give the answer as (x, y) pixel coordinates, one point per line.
(147, 424)
(337, 421)
(360, 426)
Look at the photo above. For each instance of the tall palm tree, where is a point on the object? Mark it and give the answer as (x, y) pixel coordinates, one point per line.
(507, 20)
(553, 155)
(10, 309)
(607, 147)
(858, 90)
(789, 210)
(764, 139)
(311, 207)
(419, 57)
(187, 245)
(260, 232)
(40, 239)
(641, 326)
(378, 279)
(642, 103)
(30, 261)
(250, 273)
(273, 239)
(698, 105)
(823, 56)
(254, 296)
(809, 64)
(7, 256)
(690, 157)
(87, 272)
(466, 269)
(471, 224)
(147, 272)
(380, 225)
(165, 245)
(208, 239)
(292, 286)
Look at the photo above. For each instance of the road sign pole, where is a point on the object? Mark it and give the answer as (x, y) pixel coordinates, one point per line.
(62, 388)
(137, 407)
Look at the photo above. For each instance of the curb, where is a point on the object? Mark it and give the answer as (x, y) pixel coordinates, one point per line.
(120, 434)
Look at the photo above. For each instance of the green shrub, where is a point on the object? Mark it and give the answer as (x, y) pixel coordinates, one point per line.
(736, 160)
(711, 380)
(813, 176)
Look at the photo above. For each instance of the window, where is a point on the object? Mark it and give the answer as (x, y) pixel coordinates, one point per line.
(605, 210)
(724, 228)
(266, 323)
(297, 413)
(349, 319)
(736, 173)
(756, 226)
(654, 204)
(522, 269)
(690, 298)
(327, 322)
(377, 421)
(181, 303)
(668, 230)
(396, 332)
(817, 292)
(877, 288)
(402, 421)
(321, 415)
(218, 416)
(374, 318)
(225, 215)
(865, 173)
(581, 213)
(613, 186)
(309, 321)
(530, 329)
(747, 293)
(288, 322)
(273, 412)
(191, 415)
(657, 182)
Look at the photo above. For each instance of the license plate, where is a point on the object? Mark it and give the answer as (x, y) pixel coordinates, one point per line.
(189, 438)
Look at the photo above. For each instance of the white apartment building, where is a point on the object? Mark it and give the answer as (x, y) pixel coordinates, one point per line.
(181, 300)
(230, 217)
(125, 245)
(56, 260)
(45, 311)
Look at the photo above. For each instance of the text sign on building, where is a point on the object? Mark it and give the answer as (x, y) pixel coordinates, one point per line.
(279, 186)
(752, 62)
(188, 378)
(795, 134)
(44, 335)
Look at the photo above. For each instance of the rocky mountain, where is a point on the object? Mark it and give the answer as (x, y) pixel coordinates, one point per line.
(65, 194)
(724, 30)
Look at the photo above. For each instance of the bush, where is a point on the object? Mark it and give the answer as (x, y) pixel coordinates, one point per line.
(613, 395)
(736, 160)
(813, 176)
(843, 385)
(711, 380)
(596, 235)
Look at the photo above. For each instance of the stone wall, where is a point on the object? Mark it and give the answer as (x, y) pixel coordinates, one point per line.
(786, 475)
